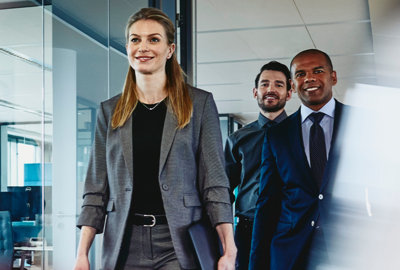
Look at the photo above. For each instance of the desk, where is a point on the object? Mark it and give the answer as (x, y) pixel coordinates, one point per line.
(45, 249)
(23, 232)
(34, 248)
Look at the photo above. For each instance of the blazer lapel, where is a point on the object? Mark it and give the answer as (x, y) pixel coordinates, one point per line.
(169, 131)
(296, 141)
(332, 159)
(127, 145)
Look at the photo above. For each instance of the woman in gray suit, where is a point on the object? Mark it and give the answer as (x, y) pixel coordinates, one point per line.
(156, 164)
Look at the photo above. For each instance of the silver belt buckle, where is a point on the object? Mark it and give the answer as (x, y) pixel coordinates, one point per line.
(154, 221)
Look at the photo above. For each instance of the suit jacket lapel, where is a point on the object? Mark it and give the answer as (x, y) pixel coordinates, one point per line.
(169, 131)
(127, 145)
(331, 158)
(296, 141)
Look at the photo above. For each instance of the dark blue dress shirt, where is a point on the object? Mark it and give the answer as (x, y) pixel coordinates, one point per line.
(243, 159)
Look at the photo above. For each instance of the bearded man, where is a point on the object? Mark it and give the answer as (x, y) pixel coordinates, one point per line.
(244, 148)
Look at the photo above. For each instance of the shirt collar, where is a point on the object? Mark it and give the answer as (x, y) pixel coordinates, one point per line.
(328, 109)
(262, 120)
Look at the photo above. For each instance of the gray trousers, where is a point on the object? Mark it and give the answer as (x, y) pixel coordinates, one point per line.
(147, 248)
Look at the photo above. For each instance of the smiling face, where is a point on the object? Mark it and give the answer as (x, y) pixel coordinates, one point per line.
(272, 92)
(313, 79)
(148, 48)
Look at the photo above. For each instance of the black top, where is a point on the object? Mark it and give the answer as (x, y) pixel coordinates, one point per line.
(243, 159)
(147, 130)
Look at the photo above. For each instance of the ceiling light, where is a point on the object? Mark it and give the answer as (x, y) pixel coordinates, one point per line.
(29, 60)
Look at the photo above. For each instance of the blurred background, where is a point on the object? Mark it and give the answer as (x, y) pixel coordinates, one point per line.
(60, 59)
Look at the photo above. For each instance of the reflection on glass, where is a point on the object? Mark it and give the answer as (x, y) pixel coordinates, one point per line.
(22, 196)
(21, 144)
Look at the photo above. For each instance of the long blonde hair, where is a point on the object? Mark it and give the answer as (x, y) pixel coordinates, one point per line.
(177, 90)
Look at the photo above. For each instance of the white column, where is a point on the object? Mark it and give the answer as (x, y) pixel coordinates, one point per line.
(64, 158)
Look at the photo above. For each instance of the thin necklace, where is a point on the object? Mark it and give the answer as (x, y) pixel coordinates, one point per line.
(152, 108)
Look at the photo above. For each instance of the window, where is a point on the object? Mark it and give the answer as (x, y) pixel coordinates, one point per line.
(21, 151)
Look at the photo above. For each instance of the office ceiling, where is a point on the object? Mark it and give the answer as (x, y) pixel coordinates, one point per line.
(235, 38)
(20, 81)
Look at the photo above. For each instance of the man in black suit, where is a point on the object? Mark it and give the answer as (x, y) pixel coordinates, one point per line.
(295, 169)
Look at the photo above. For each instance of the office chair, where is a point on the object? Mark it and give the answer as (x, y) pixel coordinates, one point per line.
(6, 243)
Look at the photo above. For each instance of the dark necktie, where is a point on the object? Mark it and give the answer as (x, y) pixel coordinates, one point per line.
(317, 148)
(271, 123)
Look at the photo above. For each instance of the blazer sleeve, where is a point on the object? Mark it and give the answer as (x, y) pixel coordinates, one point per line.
(213, 182)
(96, 193)
(268, 209)
(233, 166)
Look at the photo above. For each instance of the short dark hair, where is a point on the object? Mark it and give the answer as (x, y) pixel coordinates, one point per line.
(315, 51)
(276, 66)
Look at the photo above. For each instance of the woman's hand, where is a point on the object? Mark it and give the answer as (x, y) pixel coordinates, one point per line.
(87, 235)
(227, 262)
(82, 263)
(225, 233)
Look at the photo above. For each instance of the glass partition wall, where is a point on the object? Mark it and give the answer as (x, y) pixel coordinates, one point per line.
(58, 61)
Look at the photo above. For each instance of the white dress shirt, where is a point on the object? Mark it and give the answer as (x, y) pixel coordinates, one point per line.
(326, 124)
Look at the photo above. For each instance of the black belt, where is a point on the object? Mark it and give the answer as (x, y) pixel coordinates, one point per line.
(148, 220)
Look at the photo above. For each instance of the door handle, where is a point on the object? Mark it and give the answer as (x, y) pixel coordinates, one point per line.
(62, 214)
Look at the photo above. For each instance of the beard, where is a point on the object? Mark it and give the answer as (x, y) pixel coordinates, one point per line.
(271, 108)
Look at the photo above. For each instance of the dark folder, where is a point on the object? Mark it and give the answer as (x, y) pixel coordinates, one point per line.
(207, 244)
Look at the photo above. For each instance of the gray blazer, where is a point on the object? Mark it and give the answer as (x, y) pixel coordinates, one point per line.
(191, 175)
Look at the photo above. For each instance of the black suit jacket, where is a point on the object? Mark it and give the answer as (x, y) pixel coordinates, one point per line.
(289, 201)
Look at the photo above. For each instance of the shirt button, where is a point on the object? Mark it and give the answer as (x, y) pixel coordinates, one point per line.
(320, 196)
(312, 223)
(165, 187)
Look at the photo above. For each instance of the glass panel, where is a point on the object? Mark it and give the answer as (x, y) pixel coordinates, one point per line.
(55, 69)
(80, 82)
(21, 89)
(47, 137)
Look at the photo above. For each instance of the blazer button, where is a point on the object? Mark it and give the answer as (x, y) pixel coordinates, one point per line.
(165, 187)
(320, 196)
(312, 223)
